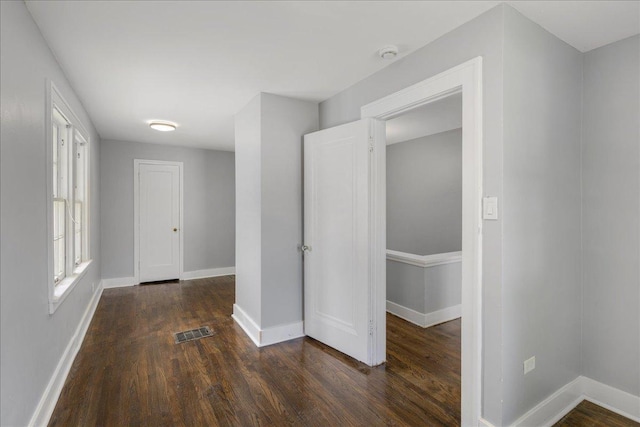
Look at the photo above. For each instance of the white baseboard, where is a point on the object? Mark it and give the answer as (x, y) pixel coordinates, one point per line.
(268, 336)
(613, 399)
(123, 282)
(49, 398)
(554, 407)
(424, 319)
(210, 272)
(119, 282)
(484, 423)
(405, 313)
(443, 315)
(247, 324)
(560, 403)
(281, 333)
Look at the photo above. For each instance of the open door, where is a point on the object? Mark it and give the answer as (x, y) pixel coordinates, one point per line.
(344, 288)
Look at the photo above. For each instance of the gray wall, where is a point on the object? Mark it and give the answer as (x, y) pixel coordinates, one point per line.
(482, 36)
(424, 290)
(541, 214)
(424, 194)
(31, 340)
(611, 216)
(209, 205)
(248, 209)
(283, 124)
(269, 133)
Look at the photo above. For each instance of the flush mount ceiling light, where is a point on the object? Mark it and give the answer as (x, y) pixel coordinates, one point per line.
(162, 126)
(388, 52)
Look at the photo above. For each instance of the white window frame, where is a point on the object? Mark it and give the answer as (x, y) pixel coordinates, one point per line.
(74, 272)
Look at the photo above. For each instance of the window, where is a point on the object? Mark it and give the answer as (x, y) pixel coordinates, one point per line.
(69, 250)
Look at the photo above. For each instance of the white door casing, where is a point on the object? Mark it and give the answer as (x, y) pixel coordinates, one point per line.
(158, 220)
(338, 300)
(465, 78)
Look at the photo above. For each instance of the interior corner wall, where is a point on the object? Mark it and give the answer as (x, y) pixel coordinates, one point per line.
(284, 122)
(208, 199)
(248, 159)
(32, 342)
(541, 214)
(424, 194)
(482, 36)
(611, 215)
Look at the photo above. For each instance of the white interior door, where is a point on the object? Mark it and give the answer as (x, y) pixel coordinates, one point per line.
(339, 294)
(159, 221)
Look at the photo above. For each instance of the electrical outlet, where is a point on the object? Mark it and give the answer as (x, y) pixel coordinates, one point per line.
(529, 365)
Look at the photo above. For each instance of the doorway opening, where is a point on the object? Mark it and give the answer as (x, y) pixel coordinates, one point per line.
(424, 244)
(465, 79)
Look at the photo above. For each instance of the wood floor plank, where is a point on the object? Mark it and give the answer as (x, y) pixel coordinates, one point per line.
(129, 372)
(588, 414)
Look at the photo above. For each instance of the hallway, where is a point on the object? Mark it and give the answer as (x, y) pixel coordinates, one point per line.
(130, 372)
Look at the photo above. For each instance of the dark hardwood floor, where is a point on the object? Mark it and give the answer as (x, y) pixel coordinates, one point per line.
(588, 414)
(129, 372)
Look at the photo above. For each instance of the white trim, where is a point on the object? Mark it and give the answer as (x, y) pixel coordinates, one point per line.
(424, 260)
(210, 272)
(444, 315)
(119, 282)
(245, 321)
(136, 213)
(560, 403)
(611, 398)
(268, 336)
(281, 333)
(468, 78)
(424, 320)
(554, 407)
(49, 398)
(378, 243)
(484, 423)
(406, 313)
(57, 293)
(64, 288)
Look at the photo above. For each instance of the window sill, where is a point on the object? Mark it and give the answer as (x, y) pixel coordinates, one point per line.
(64, 288)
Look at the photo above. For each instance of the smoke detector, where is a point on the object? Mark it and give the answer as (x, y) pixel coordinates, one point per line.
(388, 52)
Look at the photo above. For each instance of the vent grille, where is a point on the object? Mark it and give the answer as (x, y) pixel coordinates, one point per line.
(193, 334)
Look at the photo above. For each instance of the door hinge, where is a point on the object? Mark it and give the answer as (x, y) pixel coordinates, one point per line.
(371, 144)
(371, 327)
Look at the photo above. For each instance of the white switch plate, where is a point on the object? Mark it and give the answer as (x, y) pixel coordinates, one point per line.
(529, 365)
(490, 208)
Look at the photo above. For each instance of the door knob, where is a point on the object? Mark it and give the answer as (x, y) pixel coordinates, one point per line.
(305, 248)
(175, 229)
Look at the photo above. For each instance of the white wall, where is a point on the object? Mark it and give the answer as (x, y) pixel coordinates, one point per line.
(209, 205)
(424, 194)
(611, 215)
(269, 133)
(482, 36)
(541, 214)
(32, 341)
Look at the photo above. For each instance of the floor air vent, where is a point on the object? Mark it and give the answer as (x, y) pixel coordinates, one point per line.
(193, 334)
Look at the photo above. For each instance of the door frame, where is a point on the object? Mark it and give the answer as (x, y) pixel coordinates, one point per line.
(465, 78)
(136, 214)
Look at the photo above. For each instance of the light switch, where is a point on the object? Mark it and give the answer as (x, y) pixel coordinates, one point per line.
(490, 208)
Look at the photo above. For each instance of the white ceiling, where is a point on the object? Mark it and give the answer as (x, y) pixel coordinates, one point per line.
(585, 25)
(197, 63)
